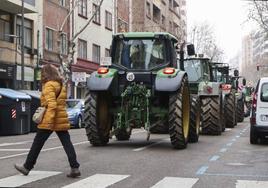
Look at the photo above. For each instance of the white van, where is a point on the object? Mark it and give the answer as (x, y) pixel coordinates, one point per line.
(259, 113)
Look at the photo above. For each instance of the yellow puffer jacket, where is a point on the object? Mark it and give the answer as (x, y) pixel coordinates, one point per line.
(55, 117)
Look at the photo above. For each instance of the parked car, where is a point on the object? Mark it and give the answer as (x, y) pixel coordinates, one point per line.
(75, 111)
(259, 113)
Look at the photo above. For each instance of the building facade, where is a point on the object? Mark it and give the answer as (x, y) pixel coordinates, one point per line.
(94, 42)
(159, 15)
(10, 43)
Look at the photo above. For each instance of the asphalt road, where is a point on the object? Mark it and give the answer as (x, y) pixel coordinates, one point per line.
(222, 161)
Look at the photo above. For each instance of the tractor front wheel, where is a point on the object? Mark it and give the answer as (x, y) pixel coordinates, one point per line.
(179, 116)
(97, 118)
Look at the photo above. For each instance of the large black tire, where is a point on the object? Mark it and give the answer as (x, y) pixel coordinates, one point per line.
(211, 116)
(179, 116)
(240, 114)
(253, 136)
(195, 119)
(98, 121)
(122, 134)
(229, 110)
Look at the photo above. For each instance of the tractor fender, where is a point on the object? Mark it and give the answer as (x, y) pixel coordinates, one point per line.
(96, 83)
(169, 83)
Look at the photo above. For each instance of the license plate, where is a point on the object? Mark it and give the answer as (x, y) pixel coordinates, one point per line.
(264, 117)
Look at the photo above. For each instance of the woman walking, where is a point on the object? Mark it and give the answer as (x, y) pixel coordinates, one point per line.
(53, 97)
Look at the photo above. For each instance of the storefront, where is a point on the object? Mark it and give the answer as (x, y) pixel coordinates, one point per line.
(28, 77)
(7, 76)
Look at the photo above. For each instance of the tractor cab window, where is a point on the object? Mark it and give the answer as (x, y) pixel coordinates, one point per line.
(140, 54)
(193, 68)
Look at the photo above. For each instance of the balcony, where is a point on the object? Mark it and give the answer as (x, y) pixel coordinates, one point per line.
(14, 6)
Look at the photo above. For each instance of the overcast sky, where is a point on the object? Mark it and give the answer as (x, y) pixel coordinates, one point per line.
(227, 18)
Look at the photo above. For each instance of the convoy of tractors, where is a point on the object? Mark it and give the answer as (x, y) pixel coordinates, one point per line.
(149, 82)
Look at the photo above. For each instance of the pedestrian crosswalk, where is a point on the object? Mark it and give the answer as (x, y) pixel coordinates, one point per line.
(106, 180)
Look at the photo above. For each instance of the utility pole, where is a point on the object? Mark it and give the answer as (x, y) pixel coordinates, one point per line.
(22, 44)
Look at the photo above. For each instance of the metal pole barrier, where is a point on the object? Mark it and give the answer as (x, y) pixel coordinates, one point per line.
(22, 44)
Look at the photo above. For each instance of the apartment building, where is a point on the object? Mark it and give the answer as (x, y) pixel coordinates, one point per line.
(10, 43)
(247, 52)
(159, 15)
(94, 42)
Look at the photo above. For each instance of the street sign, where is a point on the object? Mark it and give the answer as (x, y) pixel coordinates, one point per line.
(79, 76)
(106, 61)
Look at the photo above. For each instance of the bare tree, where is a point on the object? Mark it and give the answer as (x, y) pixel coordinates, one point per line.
(203, 37)
(66, 61)
(258, 12)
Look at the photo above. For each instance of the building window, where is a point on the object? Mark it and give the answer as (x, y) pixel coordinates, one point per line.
(5, 27)
(97, 16)
(28, 32)
(96, 53)
(63, 44)
(156, 14)
(62, 3)
(108, 20)
(148, 9)
(49, 39)
(170, 26)
(82, 49)
(122, 26)
(171, 4)
(107, 52)
(82, 8)
(163, 20)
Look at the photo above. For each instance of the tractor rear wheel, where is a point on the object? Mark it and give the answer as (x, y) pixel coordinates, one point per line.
(211, 111)
(179, 116)
(195, 119)
(229, 110)
(240, 110)
(97, 118)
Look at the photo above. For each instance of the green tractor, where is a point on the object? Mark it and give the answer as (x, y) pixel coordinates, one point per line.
(205, 94)
(248, 90)
(240, 96)
(221, 74)
(140, 86)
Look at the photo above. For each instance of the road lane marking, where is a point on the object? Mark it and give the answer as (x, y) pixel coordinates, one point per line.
(214, 158)
(6, 149)
(150, 145)
(233, 139)
(23, 142)
(97, 181)
(229, 144)
(48, 149)
(202, 170)
(250, 184)
(19, 180)
(172, 182)
(236, 175)
(237, 136)
(223, 150)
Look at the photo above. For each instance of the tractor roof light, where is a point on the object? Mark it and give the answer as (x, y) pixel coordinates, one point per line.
(169, 70)
(103, 70)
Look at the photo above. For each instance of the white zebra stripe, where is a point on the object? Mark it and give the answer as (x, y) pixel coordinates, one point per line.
(176, 182)
(97, 181)
(19, 180)
(251, 184)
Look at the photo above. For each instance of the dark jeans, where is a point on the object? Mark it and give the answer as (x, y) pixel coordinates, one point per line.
(39, 141)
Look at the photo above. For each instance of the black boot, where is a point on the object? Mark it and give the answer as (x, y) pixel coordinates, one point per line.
(22, 169)
(75, 172)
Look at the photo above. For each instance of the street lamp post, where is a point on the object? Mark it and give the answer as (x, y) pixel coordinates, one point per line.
(22, 44)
